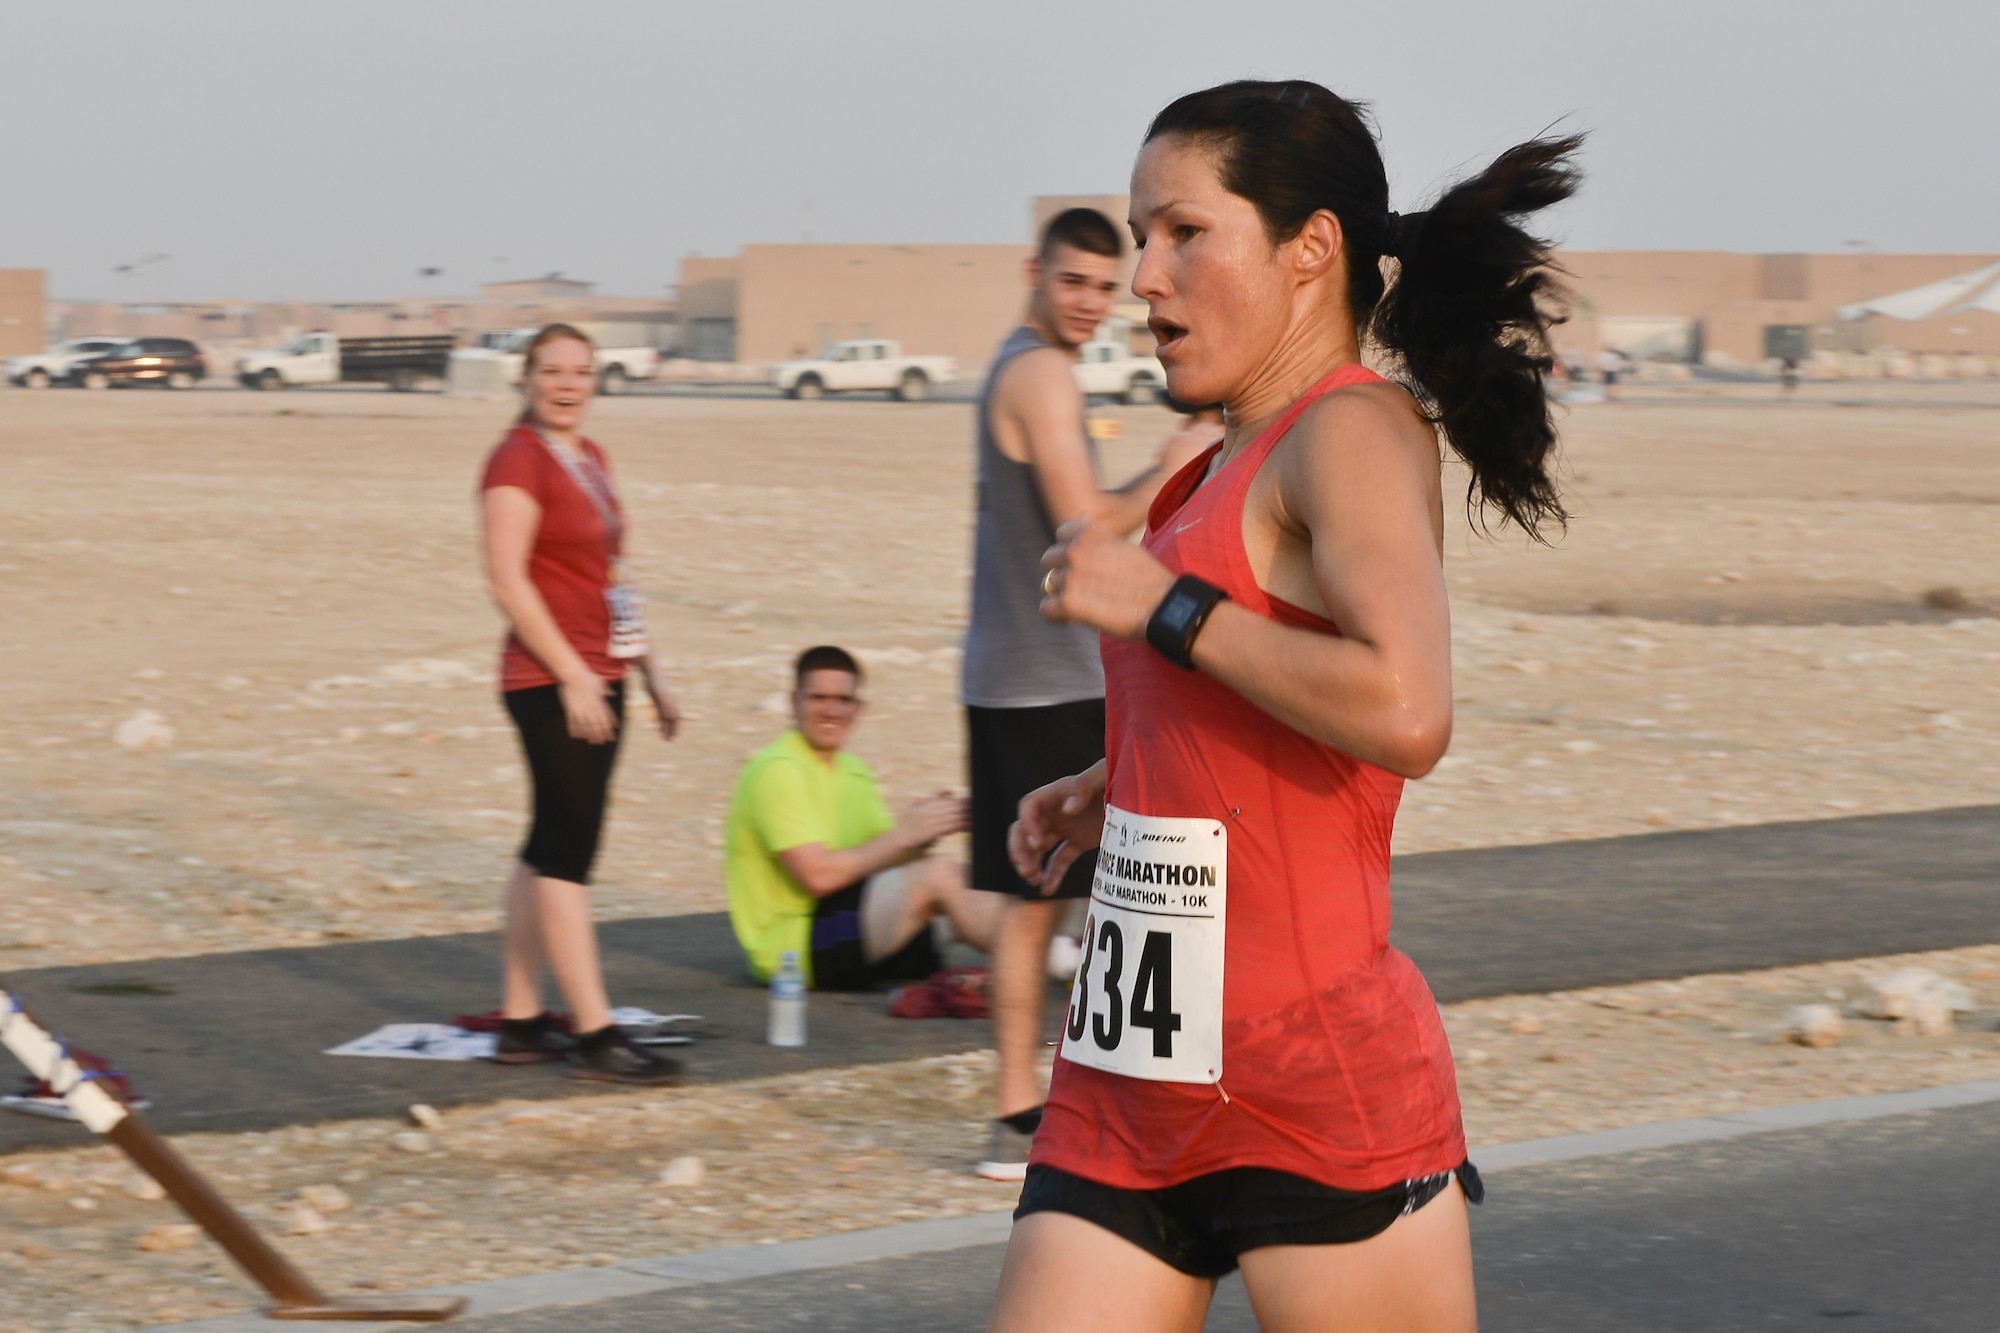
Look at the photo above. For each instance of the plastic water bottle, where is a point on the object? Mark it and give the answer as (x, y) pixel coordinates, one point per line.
(788, 1003)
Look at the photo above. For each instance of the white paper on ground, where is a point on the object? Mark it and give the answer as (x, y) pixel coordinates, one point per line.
(420, 1041)
(651, 1029)
(646, 1018)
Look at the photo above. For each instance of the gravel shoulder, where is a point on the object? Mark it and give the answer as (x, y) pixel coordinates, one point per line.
(258, 707)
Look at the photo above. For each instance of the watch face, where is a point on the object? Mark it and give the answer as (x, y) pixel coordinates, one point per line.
(1179, 607)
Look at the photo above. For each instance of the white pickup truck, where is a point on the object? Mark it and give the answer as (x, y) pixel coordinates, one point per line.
(861, 364)
(322, 358)
(1109, 368)
(616, 366)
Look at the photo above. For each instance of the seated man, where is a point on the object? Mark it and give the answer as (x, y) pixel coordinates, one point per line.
(816, 864)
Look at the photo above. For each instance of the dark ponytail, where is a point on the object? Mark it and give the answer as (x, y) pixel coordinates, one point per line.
(1468, 314)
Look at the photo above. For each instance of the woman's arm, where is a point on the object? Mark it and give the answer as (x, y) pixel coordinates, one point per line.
(1357, 483)
(1056, 824)
(665, 702)
(512, 518)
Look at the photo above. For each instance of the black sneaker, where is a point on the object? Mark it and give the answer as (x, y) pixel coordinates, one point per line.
(530, 1041)
(609, 1056)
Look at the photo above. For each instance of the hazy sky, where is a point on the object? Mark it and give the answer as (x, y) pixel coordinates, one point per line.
(280, 150)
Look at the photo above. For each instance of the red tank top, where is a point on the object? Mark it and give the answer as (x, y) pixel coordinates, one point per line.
(1334, 1060)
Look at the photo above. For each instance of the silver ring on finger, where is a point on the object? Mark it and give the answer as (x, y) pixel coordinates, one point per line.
(1049, 587)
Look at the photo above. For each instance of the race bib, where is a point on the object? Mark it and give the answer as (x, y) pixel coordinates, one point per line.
(628, 620)
(1148, 996)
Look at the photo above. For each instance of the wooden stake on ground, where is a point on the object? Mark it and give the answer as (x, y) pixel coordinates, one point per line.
(294, 1294)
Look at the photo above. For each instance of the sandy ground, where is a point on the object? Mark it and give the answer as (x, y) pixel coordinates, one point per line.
(520, 1187)
(1732, 631)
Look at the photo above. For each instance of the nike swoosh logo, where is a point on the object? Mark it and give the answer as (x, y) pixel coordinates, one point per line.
(1184, 527)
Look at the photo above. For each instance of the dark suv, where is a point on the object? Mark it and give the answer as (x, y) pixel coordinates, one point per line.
(174, 362)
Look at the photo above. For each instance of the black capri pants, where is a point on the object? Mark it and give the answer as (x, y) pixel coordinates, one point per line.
(571, 780)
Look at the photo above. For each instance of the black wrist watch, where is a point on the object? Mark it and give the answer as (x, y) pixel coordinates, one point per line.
(1178, 619)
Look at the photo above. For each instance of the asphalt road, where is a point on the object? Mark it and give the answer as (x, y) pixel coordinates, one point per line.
(233, 1041)
(1872, 1227)
(1607, 911)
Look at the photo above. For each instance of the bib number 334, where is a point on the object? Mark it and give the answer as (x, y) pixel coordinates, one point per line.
(1148, 996)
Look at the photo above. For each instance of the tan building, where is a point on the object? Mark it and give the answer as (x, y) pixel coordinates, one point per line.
(775, 302)
(553, 287)
(1721, 307)
(23, 310)
(953, 300)
(781, 302)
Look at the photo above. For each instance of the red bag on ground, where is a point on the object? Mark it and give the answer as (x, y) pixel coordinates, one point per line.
(956, 992)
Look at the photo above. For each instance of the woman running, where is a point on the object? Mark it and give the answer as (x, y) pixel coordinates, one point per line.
(554, 533)
(1250, 1076)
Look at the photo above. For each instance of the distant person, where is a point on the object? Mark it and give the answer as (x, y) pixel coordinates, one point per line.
(1611, 363)
(816, 865)
(1250, 1075)
(555, 543)
(1033, 691)
(1788, 377)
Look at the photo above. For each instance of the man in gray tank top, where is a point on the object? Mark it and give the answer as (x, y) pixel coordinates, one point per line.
(1034, 690)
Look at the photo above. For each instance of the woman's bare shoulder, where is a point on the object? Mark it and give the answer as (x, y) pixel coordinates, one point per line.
(1365, 426)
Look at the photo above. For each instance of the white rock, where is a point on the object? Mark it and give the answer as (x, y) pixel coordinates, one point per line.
(1815, 1025)
(1930, 1017)
(144, 730)
(683, 1173)
(1901, 993)
(326, 1198)
(411, 1140)
(302, 1219)
(427, 1116)
(174, 1236)
(144, 1188)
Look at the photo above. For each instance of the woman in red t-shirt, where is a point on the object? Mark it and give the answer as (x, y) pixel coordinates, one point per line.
(554, 538)
(1250, 1075)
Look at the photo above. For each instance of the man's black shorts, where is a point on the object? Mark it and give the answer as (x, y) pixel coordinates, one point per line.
(839, 959)
(1012, 752)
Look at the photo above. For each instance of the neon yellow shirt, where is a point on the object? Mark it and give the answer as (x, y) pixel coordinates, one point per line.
(787, 797)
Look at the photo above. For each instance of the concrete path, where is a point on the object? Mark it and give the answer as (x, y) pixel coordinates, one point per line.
(1872, 1211)
(233, 1041)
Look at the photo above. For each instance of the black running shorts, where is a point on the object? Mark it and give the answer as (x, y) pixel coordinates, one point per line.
(839, 961)
(1200, 1226)
(571, 779)
(1013, 751)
